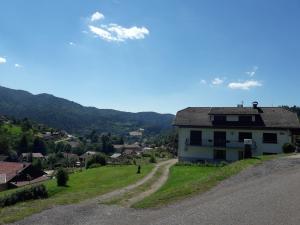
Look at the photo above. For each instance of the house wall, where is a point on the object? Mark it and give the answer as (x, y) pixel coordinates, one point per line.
(190, 153)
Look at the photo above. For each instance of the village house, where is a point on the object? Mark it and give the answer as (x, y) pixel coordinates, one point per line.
(224, 133)
(74, 144)
(128, 149)
(83, 158)
(71, 156)
(35, 155)
(14, 174)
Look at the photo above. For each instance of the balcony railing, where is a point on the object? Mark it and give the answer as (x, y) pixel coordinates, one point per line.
(221, 143)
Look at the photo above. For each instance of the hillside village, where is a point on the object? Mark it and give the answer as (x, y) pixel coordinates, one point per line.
(31, 152)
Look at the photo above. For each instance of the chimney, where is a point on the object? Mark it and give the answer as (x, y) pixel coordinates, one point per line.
(255, 104)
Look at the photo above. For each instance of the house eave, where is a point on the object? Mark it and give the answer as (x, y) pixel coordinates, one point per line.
(237, 127)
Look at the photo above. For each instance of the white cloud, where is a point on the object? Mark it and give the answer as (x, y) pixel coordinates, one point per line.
(18, 65)
(117, 33)
(203, 82)
(2, 60)
(97, 16)
(246, 85)
(105, 35)
(71, 43)
(217, 81)
(253, 71)
(123, 33)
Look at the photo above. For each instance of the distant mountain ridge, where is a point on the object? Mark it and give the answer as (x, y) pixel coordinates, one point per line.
(75, 118)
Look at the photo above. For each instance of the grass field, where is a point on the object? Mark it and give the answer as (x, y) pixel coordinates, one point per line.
(82, 185)
(12, 129)
(187, 180)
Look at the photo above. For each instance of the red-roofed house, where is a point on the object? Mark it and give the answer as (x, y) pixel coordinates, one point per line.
(14, 174)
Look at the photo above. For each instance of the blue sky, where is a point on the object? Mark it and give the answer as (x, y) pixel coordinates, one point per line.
(139, 55)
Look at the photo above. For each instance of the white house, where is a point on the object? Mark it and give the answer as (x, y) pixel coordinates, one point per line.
(220, 133)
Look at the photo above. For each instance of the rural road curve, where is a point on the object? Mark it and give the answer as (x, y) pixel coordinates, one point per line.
(265, 194)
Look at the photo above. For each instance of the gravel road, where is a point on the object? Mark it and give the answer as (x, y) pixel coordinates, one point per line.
(264, 194)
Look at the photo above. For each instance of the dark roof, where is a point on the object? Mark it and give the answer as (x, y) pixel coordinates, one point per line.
(267, 117)
(233, 111)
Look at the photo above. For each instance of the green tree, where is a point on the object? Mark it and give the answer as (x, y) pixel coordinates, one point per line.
(39, 146)
(78, 150)
(23, 145)
(26, 125)
(59, 147)
(67, 148)
(37, 164)
(93, 136)
(4, 146)
(51, 160)
(107, 146)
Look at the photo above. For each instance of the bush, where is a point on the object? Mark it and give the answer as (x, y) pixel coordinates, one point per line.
(96, 159)
(152, 159)
(288, 148)
(202, 164)
(34, 192)
(134, 162)
(62, 177)
(144, 154)
(95, 165)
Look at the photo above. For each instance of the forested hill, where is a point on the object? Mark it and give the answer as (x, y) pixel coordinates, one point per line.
(75, 118)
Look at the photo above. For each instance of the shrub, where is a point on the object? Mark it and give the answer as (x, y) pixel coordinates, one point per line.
(134, 161)
(95, 165)
(34, 192)
(288, 148)
(202, 164)
(152, 159)
(144, 154)
(62, 177)
(96, 159)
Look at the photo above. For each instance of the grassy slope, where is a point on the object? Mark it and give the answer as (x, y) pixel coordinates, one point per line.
(82, 185)
(185, 181)
(12, 129)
